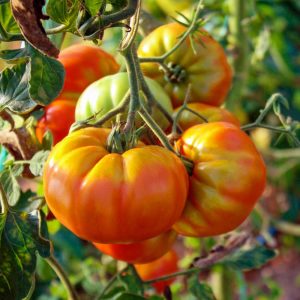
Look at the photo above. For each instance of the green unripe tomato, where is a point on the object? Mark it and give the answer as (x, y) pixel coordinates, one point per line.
(103, 95)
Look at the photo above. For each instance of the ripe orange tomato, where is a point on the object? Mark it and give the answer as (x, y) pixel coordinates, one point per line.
(113, 198)
(228, 177)
(58, 118)
(165, 265)
(211, 113)
(84, 64)
(140, 252)
(207, 69)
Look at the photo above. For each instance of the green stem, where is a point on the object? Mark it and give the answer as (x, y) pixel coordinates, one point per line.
(134, 103)
(3, 200)
(62, 276)
(238, 40)
(222, 279)
(181, 273)
(192, 27)
(287, 227)
(56, 30)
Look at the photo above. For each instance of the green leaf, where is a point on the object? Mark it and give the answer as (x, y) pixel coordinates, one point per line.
(3, 1)
(128, 296)
(64, 12)
(26, 202)
(249, 259)
(93, 6)
(10, 185)
(200, 290)
(131, 281)
(7, 21)
(14, 55)
(37, 81)
(46, 77)
(14, 92)
(113, 292)
(37, 162)
(20, 241)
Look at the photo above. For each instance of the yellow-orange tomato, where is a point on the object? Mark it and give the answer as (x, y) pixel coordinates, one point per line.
(84, 64)
(207, 69)
(58, 118)
(140, 252)
(228, 178)
(165, 265)
(212, 113)
(113, 198)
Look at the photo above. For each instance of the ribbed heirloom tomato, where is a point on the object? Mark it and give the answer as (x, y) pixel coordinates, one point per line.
(113, 198)
(58, 118)
(106, 93)
(228, 177)
(165, 265)
(207, 70)
(140, 252)
(212, 113)
(84, 64)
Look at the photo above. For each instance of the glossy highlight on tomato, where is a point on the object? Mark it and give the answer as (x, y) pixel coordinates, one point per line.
(58, 118)
(165, 265)
(207, 70)
(113, 198)
(140, 252)
(107, 93)
(228, 178)
(188, 119)
(84, 64)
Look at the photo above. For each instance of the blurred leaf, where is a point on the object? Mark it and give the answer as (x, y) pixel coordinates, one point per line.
(14, 55)
(37, 162)
(200, 290)
(10, 184)
(26, 204)
(63, 12)
(3, 1)
(93, 6)
(131, 281)
(128, 296)
(115, 291)
(21, 239)
(249, 259)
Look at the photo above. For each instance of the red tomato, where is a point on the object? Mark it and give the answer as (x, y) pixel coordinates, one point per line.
(140, 252)
(165, 265)
(211, 113)
(58, 118)
(84, 64)
(113, 198)
(228, 178)
(206, 69)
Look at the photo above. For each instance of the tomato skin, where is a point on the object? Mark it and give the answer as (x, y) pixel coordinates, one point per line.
(84, 64)
(211, 113)
(207, 71)
(58, 118)
(103, 95)
(109, 197)
(228, 177)
(140, 252)
(165, 265)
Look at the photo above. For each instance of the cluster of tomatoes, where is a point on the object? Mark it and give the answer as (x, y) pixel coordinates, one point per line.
(133, 205)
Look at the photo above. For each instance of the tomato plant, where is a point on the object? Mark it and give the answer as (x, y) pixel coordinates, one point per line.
(228, 178)
(83, 65)
(211, 113)
(205, 67)
(140, 252)
(113, 198)
(107, 93)
(164, 265)
(58, 118)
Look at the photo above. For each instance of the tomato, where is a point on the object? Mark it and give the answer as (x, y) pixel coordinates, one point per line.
(84, 64)
(109, 197)
(106, 93)
(207, 70)
(140, 252)
(165, 265)
(228, 177)
(211, 113)
(58, 118)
